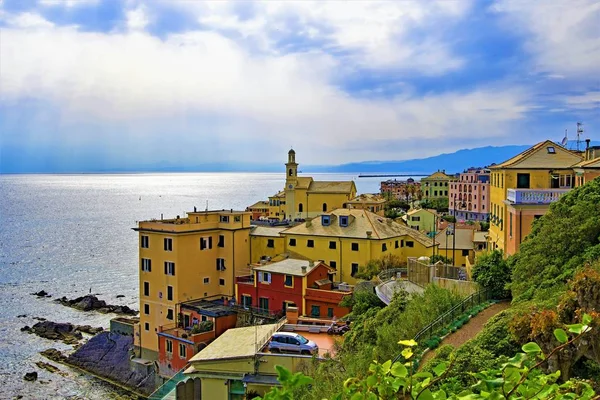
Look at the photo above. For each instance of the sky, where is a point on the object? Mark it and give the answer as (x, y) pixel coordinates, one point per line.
(93, 85)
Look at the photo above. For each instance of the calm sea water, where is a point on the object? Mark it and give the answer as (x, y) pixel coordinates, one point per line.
(69, 234)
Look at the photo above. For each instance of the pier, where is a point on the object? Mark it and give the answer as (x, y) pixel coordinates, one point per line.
(388, 175)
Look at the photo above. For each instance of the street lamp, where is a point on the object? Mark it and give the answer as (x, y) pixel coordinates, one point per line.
(461, 206)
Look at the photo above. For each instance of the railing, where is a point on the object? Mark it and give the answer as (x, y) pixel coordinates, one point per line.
(246, 280)
(168, 386)
(448, 317)
(261, 342)
(388, 274)
(534, 196)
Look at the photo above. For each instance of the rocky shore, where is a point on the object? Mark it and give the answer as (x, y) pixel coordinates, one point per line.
(91, 302)
(68, 333)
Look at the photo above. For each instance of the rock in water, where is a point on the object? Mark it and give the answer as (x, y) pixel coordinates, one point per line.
(31, 376)
(54, 355)
(90, 302)
(120, 295)
(41, 293)
(56, 331)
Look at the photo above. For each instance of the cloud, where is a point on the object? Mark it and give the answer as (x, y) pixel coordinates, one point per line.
(200, 84)
(137, 18)
(368, 34)
(562, 36)
(67, 3)
(26, 20)
(586, 101)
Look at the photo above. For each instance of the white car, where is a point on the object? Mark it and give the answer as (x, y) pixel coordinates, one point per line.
(292, 342)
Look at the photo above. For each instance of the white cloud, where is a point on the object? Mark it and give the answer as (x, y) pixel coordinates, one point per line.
(137, 18)
(563, 36)
(586, 101)
(370, 34)
(26, 20)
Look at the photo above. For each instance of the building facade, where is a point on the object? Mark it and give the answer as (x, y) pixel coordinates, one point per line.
(421, 219)
(470, 195)
(522, 189)
(435, 186)
(371, 202)
(407, 190)
(187, 258)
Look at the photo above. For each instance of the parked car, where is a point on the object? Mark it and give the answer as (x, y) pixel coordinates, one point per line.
(292, 342)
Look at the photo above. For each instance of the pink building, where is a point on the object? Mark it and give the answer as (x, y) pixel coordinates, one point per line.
(470, 195)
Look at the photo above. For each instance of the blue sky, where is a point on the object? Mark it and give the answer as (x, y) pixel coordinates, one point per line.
(91, 84)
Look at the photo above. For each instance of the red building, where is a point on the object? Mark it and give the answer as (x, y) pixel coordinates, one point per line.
(200, 322)
(296, 283)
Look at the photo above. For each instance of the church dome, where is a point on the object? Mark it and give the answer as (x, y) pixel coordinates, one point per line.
(291, 151)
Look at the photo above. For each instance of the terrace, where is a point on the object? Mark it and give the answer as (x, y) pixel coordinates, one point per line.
(534, 196)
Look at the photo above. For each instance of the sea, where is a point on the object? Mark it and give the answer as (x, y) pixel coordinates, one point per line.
(71, 235)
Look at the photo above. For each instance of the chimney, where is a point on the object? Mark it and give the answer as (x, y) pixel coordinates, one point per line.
(369, 233)
(588, 153)
(308, 223)
(304, 269)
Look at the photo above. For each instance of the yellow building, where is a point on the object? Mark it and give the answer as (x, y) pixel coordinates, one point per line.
(187, 258)
(421, 219)
(303, 197)
(523, 187)
(348, 238)
(259, 210)
(435, 186)
(266, 242)
(371, 202)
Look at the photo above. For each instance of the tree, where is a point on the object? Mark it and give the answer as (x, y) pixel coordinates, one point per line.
(375, 266)
(492, 272)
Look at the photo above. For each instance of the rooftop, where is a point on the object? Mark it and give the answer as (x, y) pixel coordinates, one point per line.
(539, 156)
(237, 343)
(331, 187)
(260, 204)
(269, 231)
(290, 266)
(359, 223)
(367, 198)
(210, 308)
(464, 239)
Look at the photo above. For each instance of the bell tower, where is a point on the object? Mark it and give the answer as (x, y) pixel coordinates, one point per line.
(291, 180)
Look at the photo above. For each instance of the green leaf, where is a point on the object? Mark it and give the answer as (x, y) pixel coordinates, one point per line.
(440, 368)
(426, 395)
(399, 370)
(357, 396)
(407, 353)
(409, 343)
(531, 347)
(385, 367)
(283, 374)
(575, 328)
(586, 319)
(561, 335)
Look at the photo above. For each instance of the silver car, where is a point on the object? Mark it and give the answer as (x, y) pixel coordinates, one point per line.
(292, 342)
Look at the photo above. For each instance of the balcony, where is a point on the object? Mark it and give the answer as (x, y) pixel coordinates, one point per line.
(245, 280)
(174, 331)
(534, 196)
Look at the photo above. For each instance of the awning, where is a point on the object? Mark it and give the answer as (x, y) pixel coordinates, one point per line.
(269, 380)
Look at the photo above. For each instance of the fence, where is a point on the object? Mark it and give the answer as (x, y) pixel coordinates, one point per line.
(418, 272)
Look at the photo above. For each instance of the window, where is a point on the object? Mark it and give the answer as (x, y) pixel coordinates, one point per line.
(246, 300)
(147, 309)
(146, 288)
(354, 269)
(206, 281)
(383, 247)
(300, 207)
(343, 220)
(169, 268)
(170, 293)
(292, 242)
(289, 281)
(168, 244)
(410, 243)
(522, 181)
(146, 326)
(146, 265)
(330, 312)
(224, 219)
(325, 220)
(237, 218)
(324, 207)
(510, 224)
(435, 192)
(551, 150)
(264, 277)
(145, 242)
(415, 218)
(333, 264)
(221, 242)
(206, 243)
(402, 243)
(315, 311)
(182, 350)
(169, 346)
(465, 253)
(310, 243)
(220, 264)
(354, 246)
(170, 314)
(270, 243)
(221, 282)
(332, 245)
(263, 303)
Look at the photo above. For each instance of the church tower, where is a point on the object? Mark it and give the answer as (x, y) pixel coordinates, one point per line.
(291, 180)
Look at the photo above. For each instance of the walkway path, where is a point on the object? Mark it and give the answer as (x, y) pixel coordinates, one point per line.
(470, 329)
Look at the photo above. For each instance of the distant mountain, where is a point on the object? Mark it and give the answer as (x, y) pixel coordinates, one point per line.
(450, 162)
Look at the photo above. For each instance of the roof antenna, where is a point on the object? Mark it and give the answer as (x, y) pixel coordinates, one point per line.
(206, 205)
(579, 133)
